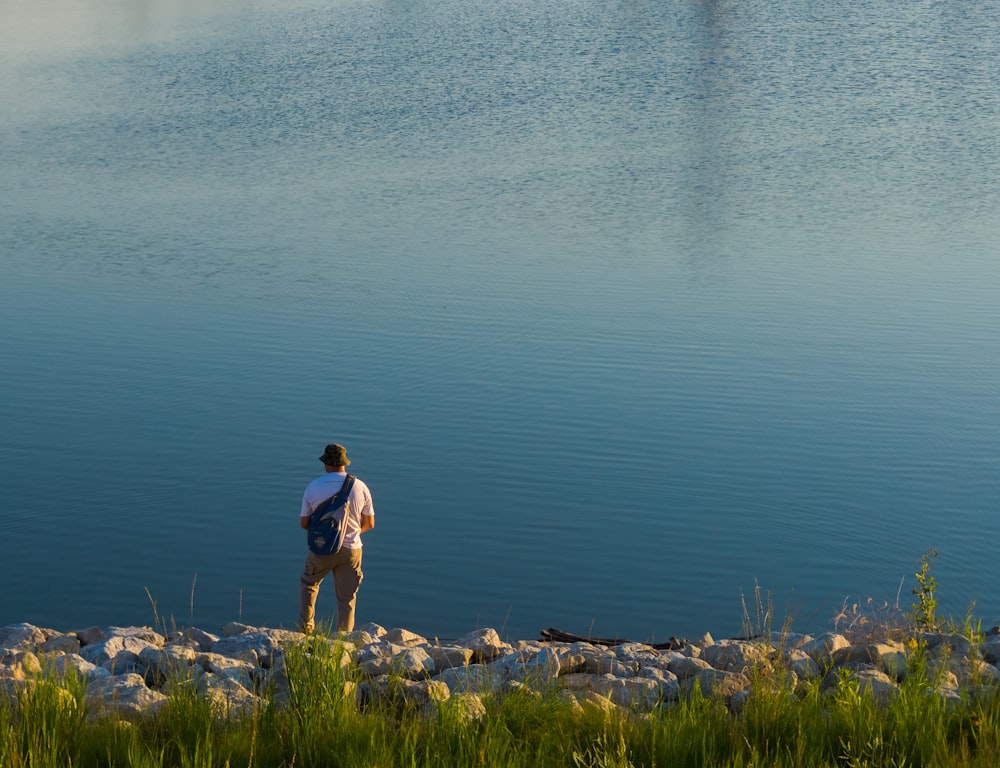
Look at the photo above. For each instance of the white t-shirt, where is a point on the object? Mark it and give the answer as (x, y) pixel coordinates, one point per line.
(358, 503)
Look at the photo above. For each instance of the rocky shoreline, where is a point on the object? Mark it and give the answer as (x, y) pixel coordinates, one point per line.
(130, 672)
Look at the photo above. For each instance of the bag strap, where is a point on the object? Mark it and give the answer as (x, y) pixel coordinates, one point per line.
(337, 499)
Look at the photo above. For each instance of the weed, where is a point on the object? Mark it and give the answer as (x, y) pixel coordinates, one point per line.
(924, 613)
(871, 621)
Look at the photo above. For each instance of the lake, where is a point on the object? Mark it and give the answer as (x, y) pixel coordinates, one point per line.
(623, 309)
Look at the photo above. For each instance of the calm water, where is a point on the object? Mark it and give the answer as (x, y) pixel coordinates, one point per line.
(621, 308)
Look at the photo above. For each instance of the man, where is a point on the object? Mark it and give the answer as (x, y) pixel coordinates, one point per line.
(345, 565)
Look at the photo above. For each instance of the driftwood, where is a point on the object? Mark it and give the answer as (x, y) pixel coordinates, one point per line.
(558, 636)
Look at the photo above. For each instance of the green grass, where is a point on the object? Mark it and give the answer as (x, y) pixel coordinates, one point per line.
(778, 725)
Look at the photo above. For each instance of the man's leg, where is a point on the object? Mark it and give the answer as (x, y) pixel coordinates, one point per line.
(312, 574)
(347, 577)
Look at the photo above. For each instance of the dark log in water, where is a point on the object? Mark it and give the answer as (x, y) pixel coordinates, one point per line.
(559, 636)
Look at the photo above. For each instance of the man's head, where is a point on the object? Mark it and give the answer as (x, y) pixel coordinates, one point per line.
(335, 455)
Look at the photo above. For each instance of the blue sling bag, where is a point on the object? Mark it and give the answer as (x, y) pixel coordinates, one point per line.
(326, 524)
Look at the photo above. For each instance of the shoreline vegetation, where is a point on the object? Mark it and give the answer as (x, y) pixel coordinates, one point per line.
(881, 689)
(868, 696)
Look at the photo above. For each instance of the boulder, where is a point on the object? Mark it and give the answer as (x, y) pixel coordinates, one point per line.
(581, 681)
(571, 660)
(21, 637)
(256, 646)
(150, 636)
(538, 670)
(241, 671)
(376, 631)
(714, 682)
(637, 655)
(19, 665)
(90, 635)
(420, 692)
(170, 663)
(571, 700)
(475, 678)
(446, 656)
(889, 657)
(404, 637)
(656, 673)
(202, 640)
(277, 685)
(969, 670)
(358, 638)
(945, 644)
(737, 656)
(877, 683)
(125, 697)
(12, 687)
(378, 650)
(116, 653)
(687, 666)
(485, 644)
(465, 707)
(74, 664)
(598, 660)
(870, 680)
(990, 649)
(60, 644)
(408, 662)
(234, 628)
(414, 693)
(802, 664)
(643, 694)
(822, 647)
(593, 702)
(227, 698)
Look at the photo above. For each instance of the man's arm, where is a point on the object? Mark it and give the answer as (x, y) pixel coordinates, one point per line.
(304, 523)
(367, 522)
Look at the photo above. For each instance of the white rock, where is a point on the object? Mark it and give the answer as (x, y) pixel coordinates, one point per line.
(714, 682)
(258, 646)
(170, 663)
(737, 656)
(21, 637)
(802, 664)
(115, 653)
(445, 656)
(485, 644)
(123, 696)
(62, 666)
(203, 640)
(408, 662)
(687, 666)
(822, 647)
(151, 636)
(889, 657)
(404, 637)
(371, 628)
(465, 707)
(637, 655)
(539, 670)
(475, 678)
(228, 699)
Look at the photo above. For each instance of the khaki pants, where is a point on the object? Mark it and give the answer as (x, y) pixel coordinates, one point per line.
(346, 568)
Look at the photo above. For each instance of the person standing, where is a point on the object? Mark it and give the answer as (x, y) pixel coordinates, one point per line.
(345, 565)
